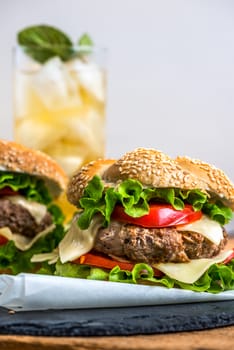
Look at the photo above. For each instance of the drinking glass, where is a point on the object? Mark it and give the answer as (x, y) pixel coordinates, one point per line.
(59, 106)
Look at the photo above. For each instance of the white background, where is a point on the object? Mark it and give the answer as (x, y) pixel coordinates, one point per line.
(171, 70)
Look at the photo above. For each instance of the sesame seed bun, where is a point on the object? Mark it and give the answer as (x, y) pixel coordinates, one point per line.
(216, 180)
(80, 179)
(152, 168)
(155, 169)
(18, 158)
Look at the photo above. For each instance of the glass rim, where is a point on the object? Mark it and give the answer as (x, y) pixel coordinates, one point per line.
(77, 48)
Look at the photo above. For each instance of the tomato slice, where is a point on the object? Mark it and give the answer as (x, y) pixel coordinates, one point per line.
(229, 258)
(107, 263)
(160, 215)
(7, 191)
(3, 240)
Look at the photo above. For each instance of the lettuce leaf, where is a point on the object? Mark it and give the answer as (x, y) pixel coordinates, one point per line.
(135, 199)
(33, 189)
(218, 212)
(57, 214)
(18, 261)
(216, 279)
(29, 186)
(83, 271)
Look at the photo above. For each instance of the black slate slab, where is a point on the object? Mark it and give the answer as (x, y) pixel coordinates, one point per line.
(119, 321)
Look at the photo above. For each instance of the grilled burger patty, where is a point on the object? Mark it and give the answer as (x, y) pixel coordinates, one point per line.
(19, 220)
(150, 245)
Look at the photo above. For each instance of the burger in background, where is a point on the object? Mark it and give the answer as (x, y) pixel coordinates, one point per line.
(147, 218)
(29, 220)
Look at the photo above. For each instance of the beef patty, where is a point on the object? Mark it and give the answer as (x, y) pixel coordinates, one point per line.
(19, 220)
(139, 244)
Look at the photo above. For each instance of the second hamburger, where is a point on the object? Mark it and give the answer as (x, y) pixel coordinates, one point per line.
(147, 218)
(30, 222)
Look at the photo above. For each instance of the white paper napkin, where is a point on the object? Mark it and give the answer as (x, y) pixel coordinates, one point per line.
(40, 292)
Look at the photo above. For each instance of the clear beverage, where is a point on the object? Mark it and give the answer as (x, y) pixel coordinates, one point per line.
(59, 107)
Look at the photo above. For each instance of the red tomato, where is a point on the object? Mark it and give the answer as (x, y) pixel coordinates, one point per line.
(229, 258)
(3, 240)
(104, 262)
(160, 215)
(7, 191)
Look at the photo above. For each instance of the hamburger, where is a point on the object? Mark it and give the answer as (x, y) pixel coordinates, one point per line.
(148, 218)
(29, 220)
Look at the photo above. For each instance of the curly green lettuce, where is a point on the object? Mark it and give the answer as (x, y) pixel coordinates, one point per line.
(16, 261)
(135, 199)
(30, 187)
(216, 279)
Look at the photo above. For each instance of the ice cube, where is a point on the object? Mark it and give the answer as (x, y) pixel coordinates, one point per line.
(55, 86)
(69, 156)
(87, 129)
(69, 163)
(37, 134)
(89, 76)
(27, 103)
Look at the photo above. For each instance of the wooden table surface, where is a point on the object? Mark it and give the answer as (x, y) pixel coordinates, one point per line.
(219, 338)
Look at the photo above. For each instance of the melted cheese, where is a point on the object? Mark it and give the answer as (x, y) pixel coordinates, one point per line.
(78, 242)
(37, 210)
(206, 227)
(22, 242)
(191, 271)
(51, 257)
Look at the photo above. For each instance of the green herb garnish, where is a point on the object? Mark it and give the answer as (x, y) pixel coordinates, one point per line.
(85, 40)
(43, 42)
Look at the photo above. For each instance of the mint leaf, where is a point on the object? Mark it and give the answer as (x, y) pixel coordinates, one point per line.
(43, 42)
(85, 40)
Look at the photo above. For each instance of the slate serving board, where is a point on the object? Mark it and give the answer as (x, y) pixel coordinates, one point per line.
(119, 321)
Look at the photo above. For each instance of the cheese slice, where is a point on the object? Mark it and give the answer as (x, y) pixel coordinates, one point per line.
(37, 210)
(22, 242)
(78, 242)
(50, 257)
(191, 271)
(210, 229)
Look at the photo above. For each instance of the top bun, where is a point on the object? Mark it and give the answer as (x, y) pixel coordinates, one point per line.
(217, 181)
(18, 158)
(152, 168)
(156, 169)
(80, 179)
